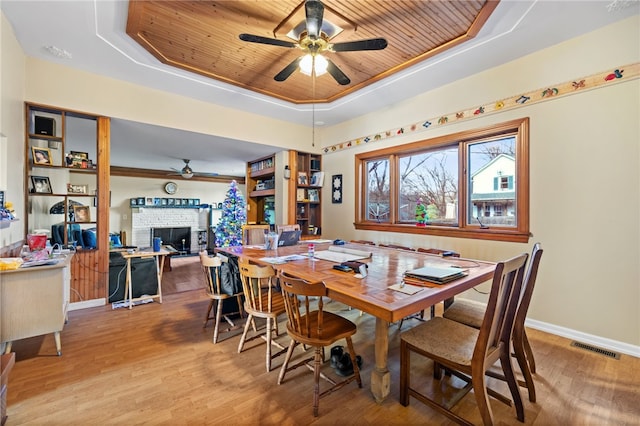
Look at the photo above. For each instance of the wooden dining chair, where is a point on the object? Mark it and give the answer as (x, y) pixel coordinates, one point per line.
(281, 228)
(396, 246)
(367, 242)
(261, 300)
(211, 267)
(254, 234)
(467, 352)
(311, 326)
(471, 313)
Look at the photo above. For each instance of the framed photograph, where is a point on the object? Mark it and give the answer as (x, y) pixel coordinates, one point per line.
(185, 201)
(133, 202)
(41, 156)
(80, 155)
(73, 188)
(149, 202)
(41, 185)
(82, 213)
(302, 178)
(171, 201)
(317, 179)
(177, 202)
(156, 201)
(141, 201)
(314, 195)
(163, 202)
(300, 194)
(1, 199)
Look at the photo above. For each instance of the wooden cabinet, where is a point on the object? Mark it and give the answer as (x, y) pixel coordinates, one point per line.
(261, 190)
(305, 192)
(67, 188)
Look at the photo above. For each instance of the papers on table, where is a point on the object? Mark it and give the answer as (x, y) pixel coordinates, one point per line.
(283, 259)
(341, 254)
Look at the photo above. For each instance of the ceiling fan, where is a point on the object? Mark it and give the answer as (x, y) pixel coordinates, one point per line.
(313, 39)
(187, 172)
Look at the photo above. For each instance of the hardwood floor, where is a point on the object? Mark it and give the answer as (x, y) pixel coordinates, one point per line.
(185, 275)
(156, 364)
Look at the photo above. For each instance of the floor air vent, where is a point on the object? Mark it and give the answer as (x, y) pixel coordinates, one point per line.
(596, 349)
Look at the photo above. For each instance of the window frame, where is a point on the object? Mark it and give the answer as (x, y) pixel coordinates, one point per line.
(519, 233)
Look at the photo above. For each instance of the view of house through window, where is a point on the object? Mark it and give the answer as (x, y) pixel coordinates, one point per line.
(492, 193)
(468, 184)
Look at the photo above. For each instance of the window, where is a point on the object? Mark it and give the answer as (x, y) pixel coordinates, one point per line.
(472, 184)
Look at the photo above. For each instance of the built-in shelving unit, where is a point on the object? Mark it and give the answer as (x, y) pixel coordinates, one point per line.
(260, 184)
(67, 189)
(305, 192)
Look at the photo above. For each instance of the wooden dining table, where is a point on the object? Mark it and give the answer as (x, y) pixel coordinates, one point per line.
(372, 294)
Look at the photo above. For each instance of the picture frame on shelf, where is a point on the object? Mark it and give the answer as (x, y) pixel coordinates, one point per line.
(73, 188)
(133, 202)
(81, 214)
(149, 202)
(317, 179)
(163, 201)
(141, 201)
(300, 194)
(41, 156)
(302, 178)
(314, 195)
(1, 199)
(41, 185)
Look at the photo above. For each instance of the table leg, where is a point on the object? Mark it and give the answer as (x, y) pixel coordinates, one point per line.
(56, 336)
(128, 285)
(159, 268)
(380, 376)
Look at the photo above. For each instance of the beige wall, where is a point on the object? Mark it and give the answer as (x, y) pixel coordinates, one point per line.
(12, 89)
(585, 163)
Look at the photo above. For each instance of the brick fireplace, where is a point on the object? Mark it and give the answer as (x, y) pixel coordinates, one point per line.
(144, 220)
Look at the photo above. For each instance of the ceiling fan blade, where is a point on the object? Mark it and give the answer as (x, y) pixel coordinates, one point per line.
(337, 74)
(288, 70)
(205, 174)
(265, 40)
(314, 10)
(352, 46)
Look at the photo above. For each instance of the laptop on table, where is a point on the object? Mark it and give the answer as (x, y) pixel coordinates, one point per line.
(289, 238)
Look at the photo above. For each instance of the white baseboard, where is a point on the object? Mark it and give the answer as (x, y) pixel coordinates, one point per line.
(87, 304)
(602, 342)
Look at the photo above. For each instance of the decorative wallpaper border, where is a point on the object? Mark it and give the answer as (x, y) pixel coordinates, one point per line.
(624, 73)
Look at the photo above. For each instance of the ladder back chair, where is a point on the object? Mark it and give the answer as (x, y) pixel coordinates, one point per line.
(471, 313)
(308, 324)
(468, 352)
(262, 299)
(281, 228)
(211, 267)
(254, 234)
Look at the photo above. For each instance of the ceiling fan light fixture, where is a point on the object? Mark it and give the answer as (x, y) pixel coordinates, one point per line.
(307, 63)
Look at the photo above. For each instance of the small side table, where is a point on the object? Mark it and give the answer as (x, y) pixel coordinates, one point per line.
(159, 257)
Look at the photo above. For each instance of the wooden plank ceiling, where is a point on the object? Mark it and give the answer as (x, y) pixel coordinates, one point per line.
(202, 37)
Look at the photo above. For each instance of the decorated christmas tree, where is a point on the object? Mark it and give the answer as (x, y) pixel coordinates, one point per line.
(229, 229)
